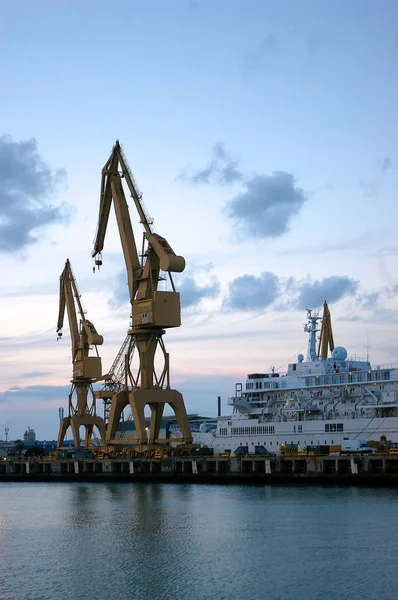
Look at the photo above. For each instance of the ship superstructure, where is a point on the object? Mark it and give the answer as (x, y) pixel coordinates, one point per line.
(318, 401)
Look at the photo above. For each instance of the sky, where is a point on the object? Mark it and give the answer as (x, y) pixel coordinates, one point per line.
(263, 136)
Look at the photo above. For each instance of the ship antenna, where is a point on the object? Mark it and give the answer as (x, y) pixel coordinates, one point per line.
(313, 317)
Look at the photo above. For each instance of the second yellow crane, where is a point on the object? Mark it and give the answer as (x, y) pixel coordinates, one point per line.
(86, 369)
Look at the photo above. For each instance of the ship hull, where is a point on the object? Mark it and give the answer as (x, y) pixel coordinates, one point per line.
(312, 433)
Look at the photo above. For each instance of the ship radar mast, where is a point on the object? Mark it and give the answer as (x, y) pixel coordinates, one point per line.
(310, 327)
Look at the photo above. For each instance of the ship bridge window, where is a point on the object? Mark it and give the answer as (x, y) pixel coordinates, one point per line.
(334, 427)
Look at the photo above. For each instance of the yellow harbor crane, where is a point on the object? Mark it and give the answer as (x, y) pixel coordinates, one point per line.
(153, 311)
(326, 336)
(86, 369)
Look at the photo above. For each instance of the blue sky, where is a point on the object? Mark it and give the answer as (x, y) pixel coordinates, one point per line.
(263, 136)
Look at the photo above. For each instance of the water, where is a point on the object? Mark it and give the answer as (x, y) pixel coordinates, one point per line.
(177, 542)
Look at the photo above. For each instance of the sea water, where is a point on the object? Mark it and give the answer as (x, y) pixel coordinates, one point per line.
(121, 541)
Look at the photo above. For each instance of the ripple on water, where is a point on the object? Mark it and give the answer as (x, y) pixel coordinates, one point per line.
(83, 541)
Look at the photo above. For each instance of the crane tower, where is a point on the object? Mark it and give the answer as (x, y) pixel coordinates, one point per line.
(86, 369)
(153, 311)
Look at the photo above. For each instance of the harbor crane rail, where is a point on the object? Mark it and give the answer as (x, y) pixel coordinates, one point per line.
(153, 311)
(86, 369)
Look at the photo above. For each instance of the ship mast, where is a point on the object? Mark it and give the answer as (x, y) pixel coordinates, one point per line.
(313, 317)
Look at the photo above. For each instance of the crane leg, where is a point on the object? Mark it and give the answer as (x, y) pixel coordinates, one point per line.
(75, 431)
(178, 405)
(63, 428)
(75, 422)
(89, 435)
(137, 404)
(119, 402)
(156, 398)
(156, 421)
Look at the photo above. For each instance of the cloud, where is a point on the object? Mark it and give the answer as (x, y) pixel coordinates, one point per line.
(35, 392)
(387, 251)
(267, 203)
(224, 335)
(391, 291)
(372, 186)
(120, 294)
(350, 319)
(263, 56)
(332, 289)
(34, 374)
(27, 183)
(250, 293)
(192, 287)
(31, 342)
(352, 244)
(385, 164)
(368, 300)
(221, 169)
(192, 293)
(266, 206)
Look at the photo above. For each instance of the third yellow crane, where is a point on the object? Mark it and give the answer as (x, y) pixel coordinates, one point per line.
(326, 335)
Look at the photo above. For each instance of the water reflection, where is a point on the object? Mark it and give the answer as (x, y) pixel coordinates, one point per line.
(202, 542)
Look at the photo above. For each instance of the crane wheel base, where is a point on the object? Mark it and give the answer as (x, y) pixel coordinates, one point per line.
(75, 422)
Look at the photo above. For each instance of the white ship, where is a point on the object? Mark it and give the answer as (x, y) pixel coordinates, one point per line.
(319, 401)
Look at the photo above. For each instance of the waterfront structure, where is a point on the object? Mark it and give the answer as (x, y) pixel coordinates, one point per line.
(29, 435)
(319, 401)
(169, 428)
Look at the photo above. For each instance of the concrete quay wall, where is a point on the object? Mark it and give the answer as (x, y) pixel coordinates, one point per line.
(352, 470)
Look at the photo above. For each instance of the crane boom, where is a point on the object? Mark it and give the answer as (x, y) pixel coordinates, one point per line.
(134, 191)
(68, 294)
(112, 188)
(326, 336)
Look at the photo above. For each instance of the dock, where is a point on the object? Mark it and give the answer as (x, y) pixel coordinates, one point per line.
(343, 470)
